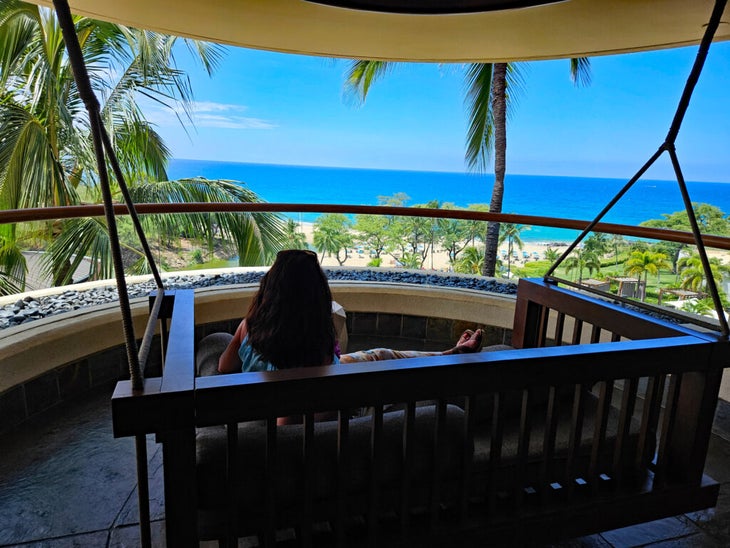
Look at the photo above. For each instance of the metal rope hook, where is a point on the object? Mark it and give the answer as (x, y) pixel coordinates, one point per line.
(102, 143)
(668, 146)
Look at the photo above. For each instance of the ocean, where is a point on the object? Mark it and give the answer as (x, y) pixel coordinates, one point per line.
(561, 197)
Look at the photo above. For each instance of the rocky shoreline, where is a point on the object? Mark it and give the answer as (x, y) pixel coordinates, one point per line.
(31, 308)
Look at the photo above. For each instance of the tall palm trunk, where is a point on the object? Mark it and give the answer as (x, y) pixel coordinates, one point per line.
(499, 114)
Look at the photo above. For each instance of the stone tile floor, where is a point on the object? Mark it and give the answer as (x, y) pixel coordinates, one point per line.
(66, 482)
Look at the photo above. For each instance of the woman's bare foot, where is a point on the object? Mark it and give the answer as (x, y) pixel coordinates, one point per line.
(470, 341)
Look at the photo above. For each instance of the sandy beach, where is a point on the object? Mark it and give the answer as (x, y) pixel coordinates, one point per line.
(439, 259)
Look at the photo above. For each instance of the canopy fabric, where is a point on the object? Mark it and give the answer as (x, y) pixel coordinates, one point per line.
(573, 28)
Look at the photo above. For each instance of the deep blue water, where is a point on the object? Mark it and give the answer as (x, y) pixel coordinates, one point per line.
(560, 197)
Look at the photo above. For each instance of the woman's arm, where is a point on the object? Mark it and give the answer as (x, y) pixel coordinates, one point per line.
(229, 362)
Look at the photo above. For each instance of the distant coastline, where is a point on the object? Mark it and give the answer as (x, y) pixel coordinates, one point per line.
(551, 196)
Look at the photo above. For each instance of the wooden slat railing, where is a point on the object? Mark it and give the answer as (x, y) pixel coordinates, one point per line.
(584, 451)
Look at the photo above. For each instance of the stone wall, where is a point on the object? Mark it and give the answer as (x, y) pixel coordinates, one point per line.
(102, 370)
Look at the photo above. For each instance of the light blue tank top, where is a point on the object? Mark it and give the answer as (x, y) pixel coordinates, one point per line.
(252, 360)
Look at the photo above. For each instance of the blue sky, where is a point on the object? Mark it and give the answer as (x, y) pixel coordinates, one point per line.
(275, 108)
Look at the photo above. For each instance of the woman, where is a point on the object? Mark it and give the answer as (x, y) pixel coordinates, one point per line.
(289, 323)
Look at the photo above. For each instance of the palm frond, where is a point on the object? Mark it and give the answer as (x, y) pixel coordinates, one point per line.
(267, 230)
(478, 99)
(12, 262)
(18, 21)
(208, 53)
(361, 75)
(514, 86)
(80, 239)
(152, 73)
(141, 152)
(138, 266)
(248, 240)
(580, 71)
(31, 174)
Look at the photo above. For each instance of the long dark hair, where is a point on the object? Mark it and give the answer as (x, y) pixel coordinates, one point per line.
(290, 319)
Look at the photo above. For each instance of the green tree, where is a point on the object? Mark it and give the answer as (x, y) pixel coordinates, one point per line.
(597, 243)
(375, 262)
(510, 232)
(692, 275)
(398, 199)
(45, 154)
(551, 254)
(332, 236)
(491, 89)
(419, 233)
(471, 261)
(710, 219)
(411, 260)
(293, 238)
(617, 241)
(643, 263)
(580, 260)
(395, 229)
(372, 232)
(254, 236)
(476, 229)
(454, 235)
(702, 307)
(398, 236)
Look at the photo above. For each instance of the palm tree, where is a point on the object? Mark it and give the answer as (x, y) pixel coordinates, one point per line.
(617, 240)
(644, 263)
(410, 260)
(581, 259)
(471, 261)
(551, 254)
(453, 235)
(256, 236)
(598, 243)
(692, 274)
(701, 307)
(372, 232)
(293, 239)
(511, 233)
(331, 235)
(45, 153)
(491, 92)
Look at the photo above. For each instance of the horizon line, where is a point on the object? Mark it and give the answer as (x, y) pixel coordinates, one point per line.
(407, 170)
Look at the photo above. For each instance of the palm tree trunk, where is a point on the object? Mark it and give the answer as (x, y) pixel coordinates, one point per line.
(499, 113)
(509, 256)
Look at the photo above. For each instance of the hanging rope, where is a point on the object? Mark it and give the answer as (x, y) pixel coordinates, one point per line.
(132, 211)
(101, 142)
(669, 147)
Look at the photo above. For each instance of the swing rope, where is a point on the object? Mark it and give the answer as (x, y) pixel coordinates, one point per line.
(668, 146)
(103, 151)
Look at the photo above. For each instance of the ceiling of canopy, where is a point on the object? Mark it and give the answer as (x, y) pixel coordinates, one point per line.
(449, 31)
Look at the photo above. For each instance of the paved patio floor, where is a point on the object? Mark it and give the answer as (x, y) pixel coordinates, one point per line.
(65, 481)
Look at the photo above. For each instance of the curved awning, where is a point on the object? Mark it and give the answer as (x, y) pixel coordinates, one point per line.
(571, 28)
